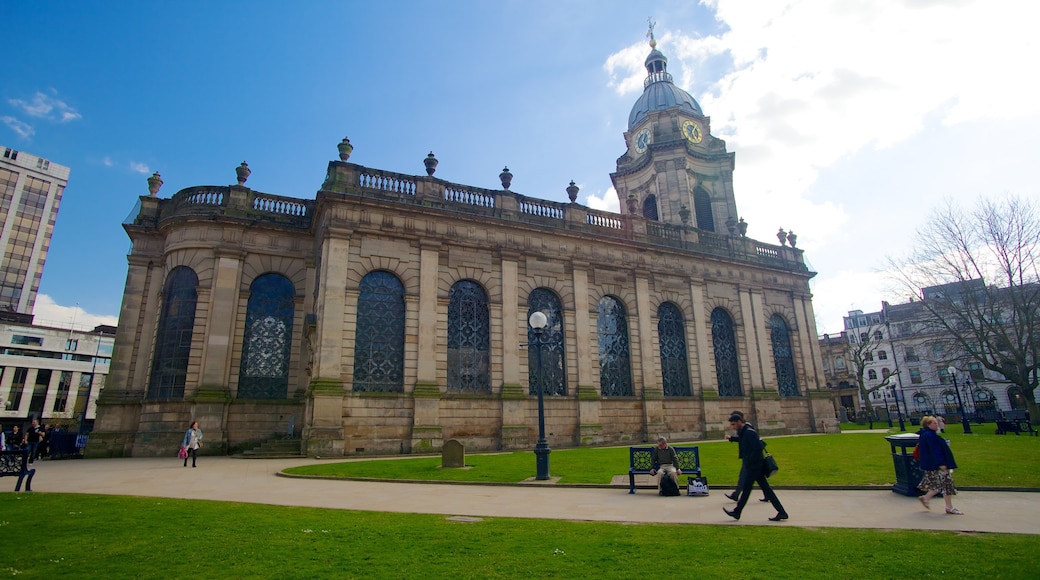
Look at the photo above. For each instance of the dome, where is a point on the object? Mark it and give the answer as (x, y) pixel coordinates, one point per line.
(659, 93)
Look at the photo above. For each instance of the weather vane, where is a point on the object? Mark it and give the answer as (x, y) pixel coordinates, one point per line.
(650, 32)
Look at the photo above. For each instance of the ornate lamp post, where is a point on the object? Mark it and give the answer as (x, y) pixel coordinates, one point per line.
(888, 410)
(960, 403)
(538, 322)
(899, 413)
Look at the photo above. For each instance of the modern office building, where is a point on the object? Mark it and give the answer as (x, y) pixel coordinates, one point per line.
(30, 193)
(390, 313)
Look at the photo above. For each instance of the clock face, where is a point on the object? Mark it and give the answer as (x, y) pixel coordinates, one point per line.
(692, 132)
(642, 140)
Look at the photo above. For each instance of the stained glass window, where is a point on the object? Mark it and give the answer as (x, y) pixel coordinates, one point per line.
(379, 340)
(552, 375)
(469, 339)
(173, 339)
(702, 206)
(268, 339)
(783, 358)
(615, 371)
(675, 372)
(727, 366)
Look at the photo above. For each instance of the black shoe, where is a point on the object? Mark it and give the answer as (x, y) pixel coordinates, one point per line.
(763, 499)
(735, 514)
(185, 464)
(733, 496)
(778, 517)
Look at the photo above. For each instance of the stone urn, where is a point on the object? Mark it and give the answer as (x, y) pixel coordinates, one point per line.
(742, 228)
(506, 177)
(345, 149)
(572, 192)
(431, 164)
(782, 236)
(242, 172)
(154, 183)
(684, 215)
(791, 238)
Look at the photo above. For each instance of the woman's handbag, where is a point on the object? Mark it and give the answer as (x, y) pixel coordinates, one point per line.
(182, 454)
(769, 466)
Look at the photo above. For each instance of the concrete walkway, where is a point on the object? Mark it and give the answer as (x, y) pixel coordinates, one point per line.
(256, 481)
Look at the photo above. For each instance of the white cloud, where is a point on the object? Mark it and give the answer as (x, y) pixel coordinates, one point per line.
(47, 312)
(606, 202)
(23, 129)
(107, 161)
(47, 107)
(139, 167)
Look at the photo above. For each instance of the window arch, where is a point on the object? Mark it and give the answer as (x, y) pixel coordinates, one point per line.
(552, 376)
(615, 371)
(727, 366)
(783, 356)
(379, 338)
(922, 403)
(650, 207)
(267, 342)
(469, 339)
(982, 400)
(675, 370)
(872, 374)
(702, 207)
(173, 338)
(1015, 398)
(949, 401)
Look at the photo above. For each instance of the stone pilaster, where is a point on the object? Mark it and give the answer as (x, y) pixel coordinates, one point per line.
(426, 429)
(590, 432)
(750, 348)
(707, 386)
(651, 392)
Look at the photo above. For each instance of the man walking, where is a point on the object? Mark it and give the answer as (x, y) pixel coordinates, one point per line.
(752, 459)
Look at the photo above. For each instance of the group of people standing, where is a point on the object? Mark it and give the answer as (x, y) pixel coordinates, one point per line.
(936, 461)
(36, 439)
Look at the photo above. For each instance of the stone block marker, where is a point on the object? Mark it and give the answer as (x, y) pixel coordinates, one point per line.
(453, 454)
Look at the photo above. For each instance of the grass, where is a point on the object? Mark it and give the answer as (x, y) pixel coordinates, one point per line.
(88, 536)
(984, 459)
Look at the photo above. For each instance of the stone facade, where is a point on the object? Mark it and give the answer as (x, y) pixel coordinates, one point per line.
(434, 240)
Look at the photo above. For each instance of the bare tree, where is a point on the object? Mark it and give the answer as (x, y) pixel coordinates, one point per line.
(861, 351)
(977, 272)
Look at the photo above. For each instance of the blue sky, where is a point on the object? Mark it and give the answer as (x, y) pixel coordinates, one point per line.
(849, 120)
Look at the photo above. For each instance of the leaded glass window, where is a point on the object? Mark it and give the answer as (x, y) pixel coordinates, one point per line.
(650, 207)
(727, 365)
(675, 371)
(379, 339)
(702, 207)
(268, 338)
(783, 359)
(173, 338)
(469, 339)
(615, 371)
(551, 376)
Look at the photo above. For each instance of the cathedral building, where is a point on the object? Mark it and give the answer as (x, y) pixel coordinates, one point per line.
(389, 314)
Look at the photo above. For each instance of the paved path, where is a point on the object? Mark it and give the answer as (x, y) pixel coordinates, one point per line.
(256, 481)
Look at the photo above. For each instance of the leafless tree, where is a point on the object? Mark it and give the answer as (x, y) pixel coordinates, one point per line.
(861, 351)
(978, 275)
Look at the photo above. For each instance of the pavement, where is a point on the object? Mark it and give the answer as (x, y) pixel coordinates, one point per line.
(258, 481)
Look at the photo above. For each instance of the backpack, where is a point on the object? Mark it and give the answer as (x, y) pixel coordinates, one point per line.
(668, 486)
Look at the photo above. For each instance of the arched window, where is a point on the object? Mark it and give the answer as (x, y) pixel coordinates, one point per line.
(615, 370)
(702, 207)
(727, 366)
(675, 371)
(882, 355)
(650, 207)
(872, 374)
(469, 339)
(379, 339)
(1016, 399)
(552, 376)
(783, 357)
(267, 341)
(983, 400)
(949, 401)
(173, 339)
(922, 404)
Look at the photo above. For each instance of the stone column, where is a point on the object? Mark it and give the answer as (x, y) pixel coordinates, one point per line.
(323, 428)
(590, 430)
(705, 387)
(426, 430)
(754, 378)
(821, 411)
(514, 394)
(651, 391)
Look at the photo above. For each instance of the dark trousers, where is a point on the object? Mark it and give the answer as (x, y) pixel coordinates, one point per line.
(33, 449)
(194, 454)
(745, 492)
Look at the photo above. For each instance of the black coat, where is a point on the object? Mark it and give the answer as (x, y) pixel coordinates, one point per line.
(750, 449)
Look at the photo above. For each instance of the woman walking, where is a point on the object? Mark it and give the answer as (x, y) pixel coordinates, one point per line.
(192, 442)
(937, 464)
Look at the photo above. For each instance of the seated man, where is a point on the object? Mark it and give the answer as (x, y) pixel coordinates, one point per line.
(666, 461)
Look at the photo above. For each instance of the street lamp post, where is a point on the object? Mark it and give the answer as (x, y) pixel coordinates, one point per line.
(538, 322)
(899, 413)
(960, 402)
(888, 410)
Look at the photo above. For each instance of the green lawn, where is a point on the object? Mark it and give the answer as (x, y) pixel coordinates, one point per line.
(86, 536)
(853, 458)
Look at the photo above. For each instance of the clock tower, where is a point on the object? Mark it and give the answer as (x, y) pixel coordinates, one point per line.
(674, 171)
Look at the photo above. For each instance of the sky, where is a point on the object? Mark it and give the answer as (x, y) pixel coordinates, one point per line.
(850, 121)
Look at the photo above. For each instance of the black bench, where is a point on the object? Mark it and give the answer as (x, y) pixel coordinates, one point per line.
(1016, 427)
(16, 464)
(641, 461)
